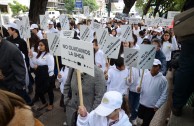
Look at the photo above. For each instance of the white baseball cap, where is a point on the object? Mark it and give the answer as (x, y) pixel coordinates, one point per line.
(111, 100)
(51, 23)
(157, 62)
(13, 25)
(33, 26)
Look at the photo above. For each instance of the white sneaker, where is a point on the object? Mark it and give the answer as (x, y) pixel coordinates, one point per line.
(134, 122)
(139, 121)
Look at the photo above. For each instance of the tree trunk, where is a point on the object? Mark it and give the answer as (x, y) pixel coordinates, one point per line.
(128, 5)
(37, 7)
(157, 7)
(147, 7)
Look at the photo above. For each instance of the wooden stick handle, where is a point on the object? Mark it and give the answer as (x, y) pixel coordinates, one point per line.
(80, 88)
(57, 60)
(141, 78)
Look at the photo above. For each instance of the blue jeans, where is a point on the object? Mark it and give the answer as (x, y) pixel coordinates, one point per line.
(134, 104)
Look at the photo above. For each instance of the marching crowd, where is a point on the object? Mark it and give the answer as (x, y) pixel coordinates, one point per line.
(108, 96)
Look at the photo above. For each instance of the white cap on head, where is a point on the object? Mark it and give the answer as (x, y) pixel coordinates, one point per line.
(51, 23)
(157, 62)
(13, 25)
(33, 26)
(111, 100)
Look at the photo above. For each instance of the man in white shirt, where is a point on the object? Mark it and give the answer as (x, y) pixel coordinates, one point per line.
(34, 28)
(108, 113)
(136, 29)
(153, 93)
(51, 28)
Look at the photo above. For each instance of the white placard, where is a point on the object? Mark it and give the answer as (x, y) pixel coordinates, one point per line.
(130, 57)
(20, 27)
(67, 33)
(111, 47)
(86, 11)
(126, 33)
(54, 42)
(26, 27)
(95, 26)
(156, 21)
(134, 20)
(102, 36)
(172, 14)
(85, 33)
(146, 56)
(166, 22)
(64, 22)
(6, 20)
(77, 54)
(44, 21)
(148, 22)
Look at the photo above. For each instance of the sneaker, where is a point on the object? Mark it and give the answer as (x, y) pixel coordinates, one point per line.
(64, 124)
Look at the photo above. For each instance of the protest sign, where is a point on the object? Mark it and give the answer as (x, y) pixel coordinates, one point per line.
(67, 33)
(172, 14)
(85, 33)
(53, 41)
(86, 11)
(126, 33)
(101, 35)
(64, 21)
(146, 56)
(133, 20)
(95, 26)
(166, 22)
(111, 47)
(156, 21)
(77, 54)
(26, 27)
(44, 21)
(148, 22)
(6, 20)
(130, 57)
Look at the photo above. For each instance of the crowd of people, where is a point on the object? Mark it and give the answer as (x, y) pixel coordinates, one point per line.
(113, 97)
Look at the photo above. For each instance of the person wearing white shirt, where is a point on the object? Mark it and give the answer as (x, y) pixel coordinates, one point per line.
(51, 28)
(169, 44)
(108, 113)
(140, 37)
(133, 44)
(117, 79)
(43, 63)
(99, 56)
(136, 29)
(153, 93)
(34, 28)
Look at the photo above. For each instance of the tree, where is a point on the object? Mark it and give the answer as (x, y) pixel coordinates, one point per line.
(70, 5)
(37, 7)
(128, 5)
(16, 7)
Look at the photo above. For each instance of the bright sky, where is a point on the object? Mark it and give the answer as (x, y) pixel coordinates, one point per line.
(24, 2)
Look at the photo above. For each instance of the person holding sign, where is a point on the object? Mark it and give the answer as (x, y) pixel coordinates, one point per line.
(43, 63)
(153, 93)
(93, 89)
(108, 113)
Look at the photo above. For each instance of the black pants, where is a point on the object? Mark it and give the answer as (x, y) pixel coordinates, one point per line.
(41, 82)
(146, 114)
(50, 89)
(184, 75)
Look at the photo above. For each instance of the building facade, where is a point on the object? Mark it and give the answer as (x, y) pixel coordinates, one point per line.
(57, 5)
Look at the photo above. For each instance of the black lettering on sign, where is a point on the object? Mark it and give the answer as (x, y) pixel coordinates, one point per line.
(55, 43)
(67, 33)
(127, 31)
(131, 56)
(85, 35)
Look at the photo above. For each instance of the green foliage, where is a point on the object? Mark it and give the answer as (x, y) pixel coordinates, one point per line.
(16, 7)
(70, 5)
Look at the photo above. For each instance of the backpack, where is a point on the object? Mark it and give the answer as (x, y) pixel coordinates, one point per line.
(183, 23)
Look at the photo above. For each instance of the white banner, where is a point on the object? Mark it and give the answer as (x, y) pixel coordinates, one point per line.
(134, 20)
(146, 56)
(67, 33)
(130, 57)
(126, 33)
(44, 21)
(156, 21)
(166, 22)
(111, 47)
(54, 43)
(172, 14)
(77, 54)
(148, 22)
(26, 27)
(64, 21)
(86, 11)
(102, 36)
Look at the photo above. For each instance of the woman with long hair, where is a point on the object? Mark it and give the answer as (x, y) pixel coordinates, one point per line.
(43, 63)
